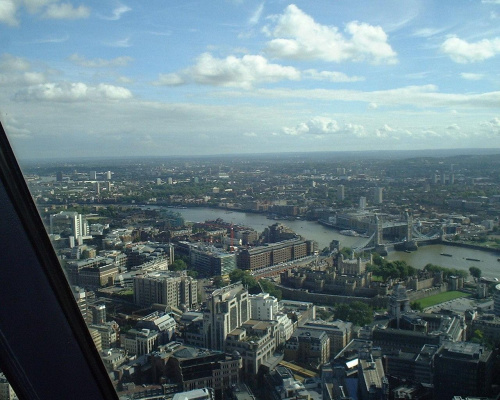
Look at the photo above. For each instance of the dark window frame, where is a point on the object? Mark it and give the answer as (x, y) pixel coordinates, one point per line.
(46, 351)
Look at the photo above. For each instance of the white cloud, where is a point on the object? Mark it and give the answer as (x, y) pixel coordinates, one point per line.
(66, 91)
(427, 32)
(299, 37)
(393, 133)
(372, 106)
(117, 13)
(8, 12)
(99, 62)
(323, 126)
(119, 43)
(492, 125)
(471, 76)
(9, 62)
(425, 96)
(231, 71)
(255, 18)
(250, 134)
(66, 11)
(463, 52)
(490, 1)
(169, 80)
(332, 76)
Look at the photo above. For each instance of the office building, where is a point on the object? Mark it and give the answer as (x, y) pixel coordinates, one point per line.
(339, 332)
(93, 175)
(462, 369)
(308, 347)
(195, 368)
(98, 312)
(227, 309)
(255, 342)
(263, 306)
(171, 288)
(274, 253)
(140, 342)
(210, 261)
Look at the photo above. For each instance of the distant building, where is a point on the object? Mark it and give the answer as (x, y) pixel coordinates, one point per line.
(377, 195)
(70, 223)
(340, 193)
(274, 253)
(362, 203)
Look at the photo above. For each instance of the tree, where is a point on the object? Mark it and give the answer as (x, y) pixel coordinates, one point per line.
(178, 265)
(475, 272)
(357, 312)
(415, 305)
(218, 281)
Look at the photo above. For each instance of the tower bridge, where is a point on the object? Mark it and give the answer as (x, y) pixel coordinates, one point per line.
(404, 231)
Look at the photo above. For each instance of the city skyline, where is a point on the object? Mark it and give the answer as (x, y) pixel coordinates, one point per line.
(127, 79)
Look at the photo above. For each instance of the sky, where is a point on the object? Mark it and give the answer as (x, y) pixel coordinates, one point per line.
(195, 77)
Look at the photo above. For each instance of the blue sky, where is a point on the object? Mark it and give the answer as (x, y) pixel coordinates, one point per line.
(162, 77)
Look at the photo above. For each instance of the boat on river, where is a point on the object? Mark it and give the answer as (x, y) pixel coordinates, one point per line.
(446, 254)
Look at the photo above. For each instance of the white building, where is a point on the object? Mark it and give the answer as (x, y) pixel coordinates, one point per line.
(263, 306)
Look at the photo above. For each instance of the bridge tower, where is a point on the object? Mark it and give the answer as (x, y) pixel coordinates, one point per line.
(409, 228)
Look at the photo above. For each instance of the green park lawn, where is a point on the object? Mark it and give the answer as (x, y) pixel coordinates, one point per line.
(441, 298)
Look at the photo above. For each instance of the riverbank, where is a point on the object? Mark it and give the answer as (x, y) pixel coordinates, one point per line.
(470, 246)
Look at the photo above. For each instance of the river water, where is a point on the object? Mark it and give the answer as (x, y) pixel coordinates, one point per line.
(488, 263)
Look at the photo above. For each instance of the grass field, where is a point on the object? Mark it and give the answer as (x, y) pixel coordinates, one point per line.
(441, 298)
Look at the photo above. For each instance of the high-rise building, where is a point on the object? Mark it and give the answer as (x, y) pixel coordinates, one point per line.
(98, 313)
(93, 175)
(108, 175)
(340, 193)
(362, 203)
(227, 309)
(377, 195)
(75, 223)
(59, 176)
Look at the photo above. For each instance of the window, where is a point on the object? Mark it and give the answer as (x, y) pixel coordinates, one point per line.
(113, 82)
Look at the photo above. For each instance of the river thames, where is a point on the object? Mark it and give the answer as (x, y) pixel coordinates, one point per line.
(488, 263)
